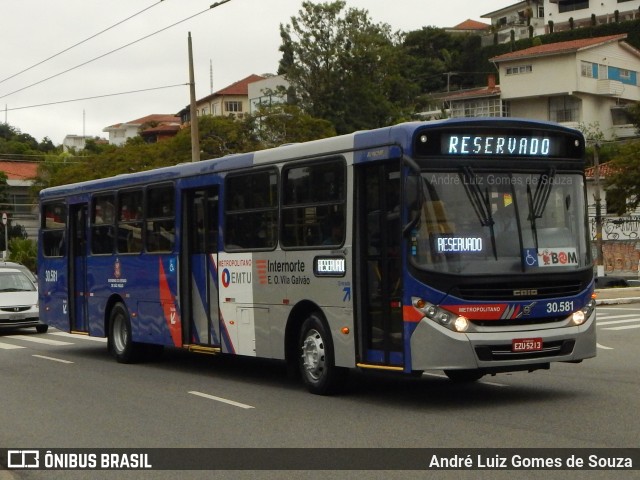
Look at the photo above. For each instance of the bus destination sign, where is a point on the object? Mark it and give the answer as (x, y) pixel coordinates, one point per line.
(501, 145)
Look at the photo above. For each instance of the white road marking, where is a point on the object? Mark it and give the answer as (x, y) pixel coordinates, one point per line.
(615, 322)
(222, 400)
(603, 347)
(9, 346)
(626, 327)
(52, 359)
(46, 341)
(81, 337)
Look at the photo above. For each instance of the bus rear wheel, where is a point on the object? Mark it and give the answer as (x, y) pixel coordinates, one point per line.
(317, 361)
(121, 346)
(464, 376)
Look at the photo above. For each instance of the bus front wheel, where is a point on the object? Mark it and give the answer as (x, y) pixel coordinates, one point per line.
(317, 362)
(121, 346)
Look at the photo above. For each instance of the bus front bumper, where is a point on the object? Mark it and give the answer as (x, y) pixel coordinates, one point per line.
(434, 347)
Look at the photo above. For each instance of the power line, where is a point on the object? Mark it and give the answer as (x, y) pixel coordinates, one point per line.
(97, 96)
(116, 49)
(79, 43)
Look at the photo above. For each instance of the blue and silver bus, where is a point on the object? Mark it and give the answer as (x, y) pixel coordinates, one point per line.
(457, 245)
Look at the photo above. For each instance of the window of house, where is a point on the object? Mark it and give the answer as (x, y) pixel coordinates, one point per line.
(589, 70)
(625, 74)
(572, 5)
(480, 108)
(518, 70)
(233, 106)
(251, 210)
(564, 109)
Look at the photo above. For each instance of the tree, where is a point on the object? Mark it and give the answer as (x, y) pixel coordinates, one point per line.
(343, 67)
(24, 251)
(625, 176)
(280, 123)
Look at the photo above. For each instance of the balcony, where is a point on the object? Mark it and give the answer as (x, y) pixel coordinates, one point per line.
(610, 87)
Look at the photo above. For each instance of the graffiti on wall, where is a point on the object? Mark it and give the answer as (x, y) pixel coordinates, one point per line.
(621, 244)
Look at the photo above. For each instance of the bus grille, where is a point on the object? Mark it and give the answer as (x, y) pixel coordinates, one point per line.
(513, 291)
(515, 322)
(489, 353)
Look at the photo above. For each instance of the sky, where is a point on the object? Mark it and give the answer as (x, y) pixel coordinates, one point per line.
(148, 53)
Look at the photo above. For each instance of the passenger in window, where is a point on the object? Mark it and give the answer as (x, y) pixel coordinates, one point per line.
(336, 234)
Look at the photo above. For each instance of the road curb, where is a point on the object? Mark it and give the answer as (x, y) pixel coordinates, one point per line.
(617, 301)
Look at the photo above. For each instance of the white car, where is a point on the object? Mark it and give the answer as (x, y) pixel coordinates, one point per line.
(19, 301)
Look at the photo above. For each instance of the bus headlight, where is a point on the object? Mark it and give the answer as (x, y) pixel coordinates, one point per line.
(441, 316)
(581, 316)
(461, 324)
(578, 317)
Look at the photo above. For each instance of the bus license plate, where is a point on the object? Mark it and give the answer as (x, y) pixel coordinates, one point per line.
(526, 344)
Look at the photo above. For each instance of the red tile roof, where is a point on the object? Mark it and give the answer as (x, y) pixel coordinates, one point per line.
(19, 170)
(474, 93)
(154, 117)
(471, 25)
(605, 170)
(241, 87)
(558, 48)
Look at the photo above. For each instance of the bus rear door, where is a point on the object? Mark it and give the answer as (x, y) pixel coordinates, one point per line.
(199, 280)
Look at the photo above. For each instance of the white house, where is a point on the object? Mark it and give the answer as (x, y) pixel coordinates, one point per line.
(586, 81)
(516, 17)
(563, 14)
(120, 132)
(267, 91)
(604, 11)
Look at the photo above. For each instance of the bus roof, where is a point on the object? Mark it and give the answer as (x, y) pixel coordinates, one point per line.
(400, 135)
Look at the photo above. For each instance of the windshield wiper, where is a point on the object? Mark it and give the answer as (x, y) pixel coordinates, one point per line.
(480, 202)
(538, 201)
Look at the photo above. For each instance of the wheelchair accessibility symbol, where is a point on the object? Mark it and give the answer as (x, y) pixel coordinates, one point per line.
(531, 258)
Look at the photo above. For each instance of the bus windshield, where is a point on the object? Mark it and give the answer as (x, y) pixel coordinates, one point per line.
(491, 222)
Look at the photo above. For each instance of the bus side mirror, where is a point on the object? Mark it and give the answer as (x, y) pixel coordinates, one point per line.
(413, 201)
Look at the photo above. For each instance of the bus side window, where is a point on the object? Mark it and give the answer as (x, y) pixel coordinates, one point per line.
(53, 227)
(251, 210)
(130, 221)
(102, 228)
(313, 207)
(161, 220)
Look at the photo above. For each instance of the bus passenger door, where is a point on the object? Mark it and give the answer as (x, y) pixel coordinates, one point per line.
(199, 280)
(78, 294)
(379, 241)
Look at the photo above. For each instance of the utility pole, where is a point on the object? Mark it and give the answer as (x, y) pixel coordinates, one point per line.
(193, 114)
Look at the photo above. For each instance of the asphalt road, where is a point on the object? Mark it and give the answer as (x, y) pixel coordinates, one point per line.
(60, 391)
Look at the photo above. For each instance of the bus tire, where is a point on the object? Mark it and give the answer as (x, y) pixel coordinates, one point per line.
(464, 376)
(121, 346)
(317, 361)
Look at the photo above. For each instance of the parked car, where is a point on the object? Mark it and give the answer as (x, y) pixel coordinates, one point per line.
(20, 267)
(19, 301)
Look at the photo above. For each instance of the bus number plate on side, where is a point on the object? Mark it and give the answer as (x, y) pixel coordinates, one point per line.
(526, 344)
